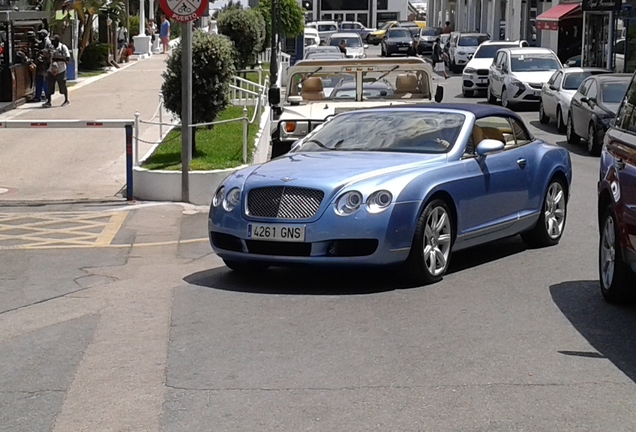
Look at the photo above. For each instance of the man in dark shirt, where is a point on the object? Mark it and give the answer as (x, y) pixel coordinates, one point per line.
(343, 46)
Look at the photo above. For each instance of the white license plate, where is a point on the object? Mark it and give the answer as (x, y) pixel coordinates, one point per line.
(483, 80)
(403, 48)
(283, 233)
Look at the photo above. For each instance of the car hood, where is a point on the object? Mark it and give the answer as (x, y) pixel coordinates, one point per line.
(467, 49)
(399, 40)
(479, 63)
(332, 170)
(355, 51)
(533, 77)
(428, 38)
(320, 110)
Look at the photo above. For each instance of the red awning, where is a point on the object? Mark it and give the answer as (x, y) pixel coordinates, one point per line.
(549, 20)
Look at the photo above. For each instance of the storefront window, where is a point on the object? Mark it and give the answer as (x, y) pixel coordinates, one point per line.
(596, 40)
(383, 4)
(386, 16)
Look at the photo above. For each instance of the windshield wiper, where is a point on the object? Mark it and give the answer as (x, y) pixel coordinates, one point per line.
(310, 75)
(385, 74)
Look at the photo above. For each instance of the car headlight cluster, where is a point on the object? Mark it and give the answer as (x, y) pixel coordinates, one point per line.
(350, 202)
(229, 201)
(294, 128)
(469, 70)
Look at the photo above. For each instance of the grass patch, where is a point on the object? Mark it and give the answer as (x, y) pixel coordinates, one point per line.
(218, 148)
(91, 73)
(253, 76)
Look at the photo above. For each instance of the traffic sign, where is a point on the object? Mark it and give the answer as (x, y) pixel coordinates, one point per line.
(183, 11)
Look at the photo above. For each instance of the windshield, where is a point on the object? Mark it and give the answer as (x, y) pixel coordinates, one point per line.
(327, 27)
(534, 63)
(350, 41)
(386, 82)
(613, 92)
(573, 80)
(399, 33)
(388, 131)
(433, 31)
(489, 51)
(472, 40)
(386, 25)
(324, 55)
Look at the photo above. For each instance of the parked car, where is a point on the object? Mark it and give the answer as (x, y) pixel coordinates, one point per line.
(354, 47)
(619, 60)
(311, 34)
(426, 38)
(394, 185)
(376, 37)
(574, 61)
(593, 108)
(324, 55)
(396, 41)
(517, 75)
(322, 50)
(461, 48)
(617, 205)
(475, 75)
(310, 101)
(557, 93)
(356, 27)
(325, 28)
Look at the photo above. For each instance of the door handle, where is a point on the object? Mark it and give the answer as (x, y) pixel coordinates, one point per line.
(619, 164)
(522, 163)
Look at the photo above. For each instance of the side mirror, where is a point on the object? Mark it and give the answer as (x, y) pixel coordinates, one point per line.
(552, 87)
(273, 96)
(489, 146)
(439, 94)
(365, 46)
(584, 100)
(591, 100)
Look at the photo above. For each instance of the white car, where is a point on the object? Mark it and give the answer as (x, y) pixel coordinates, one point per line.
(354, 46)
(517, 75)
(557, 93)
(461, 48)
(325, 28)
(318, 89)
(311, 35)
(475, 75)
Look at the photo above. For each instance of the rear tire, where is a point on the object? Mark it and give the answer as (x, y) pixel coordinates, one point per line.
(615, 277)
(543, 119)
(432, 243)
(551, 224)
(572, 137)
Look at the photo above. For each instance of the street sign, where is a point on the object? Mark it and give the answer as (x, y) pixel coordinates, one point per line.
(183, 11)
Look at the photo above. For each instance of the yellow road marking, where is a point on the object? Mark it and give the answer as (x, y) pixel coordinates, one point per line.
(108, 234)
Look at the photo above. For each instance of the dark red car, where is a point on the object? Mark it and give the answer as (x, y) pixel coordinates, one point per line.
(617, 203)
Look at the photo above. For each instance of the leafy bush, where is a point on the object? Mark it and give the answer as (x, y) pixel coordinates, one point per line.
(246, 29)
(292, 19)
(175, 30)
(95, 56)
(133, 25)
(212, 69)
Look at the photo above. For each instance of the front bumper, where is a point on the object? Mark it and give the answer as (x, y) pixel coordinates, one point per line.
(462, 59)
(362, 239)
(524, 93)
(398, 49)
(375, 39)
(475, 81)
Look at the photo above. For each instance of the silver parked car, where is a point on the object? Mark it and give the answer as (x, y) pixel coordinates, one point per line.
(517, 75)
(557, 93)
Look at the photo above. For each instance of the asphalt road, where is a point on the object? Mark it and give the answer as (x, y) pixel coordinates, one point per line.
(153, 333)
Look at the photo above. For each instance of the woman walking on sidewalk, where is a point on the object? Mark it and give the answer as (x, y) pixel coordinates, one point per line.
(438, 60)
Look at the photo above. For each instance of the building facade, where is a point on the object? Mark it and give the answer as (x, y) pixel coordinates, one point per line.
(370, 13)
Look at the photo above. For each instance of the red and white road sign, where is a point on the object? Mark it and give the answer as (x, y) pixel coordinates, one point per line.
(184, 11)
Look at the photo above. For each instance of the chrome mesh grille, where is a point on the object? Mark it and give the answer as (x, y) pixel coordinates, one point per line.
(283, 202)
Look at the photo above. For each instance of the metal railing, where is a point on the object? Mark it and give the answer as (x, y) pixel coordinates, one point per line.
(245, 92)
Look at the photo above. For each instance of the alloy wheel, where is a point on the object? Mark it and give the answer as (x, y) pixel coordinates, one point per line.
(608, 253)
(437, 241)
(555, 210)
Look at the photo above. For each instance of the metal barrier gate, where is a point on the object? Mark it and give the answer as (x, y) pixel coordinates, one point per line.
(85, 124)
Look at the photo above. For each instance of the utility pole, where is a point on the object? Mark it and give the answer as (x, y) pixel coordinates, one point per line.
(273, 62)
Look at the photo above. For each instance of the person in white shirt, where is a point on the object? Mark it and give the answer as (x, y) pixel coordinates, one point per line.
(122, 36)
(60, 58)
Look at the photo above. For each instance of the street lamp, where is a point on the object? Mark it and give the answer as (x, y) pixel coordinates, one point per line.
(274, 91)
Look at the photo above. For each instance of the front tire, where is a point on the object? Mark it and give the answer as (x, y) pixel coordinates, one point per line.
(561, 126)
(614, 274)
(551, 223)
(543, 119)
(572, 137)
(430, 252)
(504, 98)
(593, 142)
(491, 97)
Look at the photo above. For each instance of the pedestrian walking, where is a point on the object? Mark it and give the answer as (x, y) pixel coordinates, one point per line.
(164, 33)
(438, 59)
(42, 63)
(122, 40)
(447, 28)
(60, 58)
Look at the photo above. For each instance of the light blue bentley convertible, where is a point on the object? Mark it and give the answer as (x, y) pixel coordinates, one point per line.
(394, 185)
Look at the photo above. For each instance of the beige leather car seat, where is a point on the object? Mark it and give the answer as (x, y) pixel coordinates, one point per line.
(312, 89)
(406, 83)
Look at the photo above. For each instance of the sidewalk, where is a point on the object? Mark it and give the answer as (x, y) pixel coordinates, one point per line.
(78, 164)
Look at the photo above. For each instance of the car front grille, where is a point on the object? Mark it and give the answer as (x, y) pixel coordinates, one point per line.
(282, 202)
(482, 71)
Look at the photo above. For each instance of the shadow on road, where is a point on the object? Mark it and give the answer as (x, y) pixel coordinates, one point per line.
(609, 329)
(549, 128)
(489, 252)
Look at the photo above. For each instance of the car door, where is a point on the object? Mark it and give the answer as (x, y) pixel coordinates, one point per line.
(549, 94)
(494, 73)
(576, 106)
(588, 105)
(494, 188)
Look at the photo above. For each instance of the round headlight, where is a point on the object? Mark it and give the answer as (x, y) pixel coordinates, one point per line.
(379, 201)
(232, 199)
(218, 197)
(348, 203)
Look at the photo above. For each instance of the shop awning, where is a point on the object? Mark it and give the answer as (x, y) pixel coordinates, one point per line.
(549, 20)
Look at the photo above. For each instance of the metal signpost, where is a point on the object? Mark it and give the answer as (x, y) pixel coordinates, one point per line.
(184, 12)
